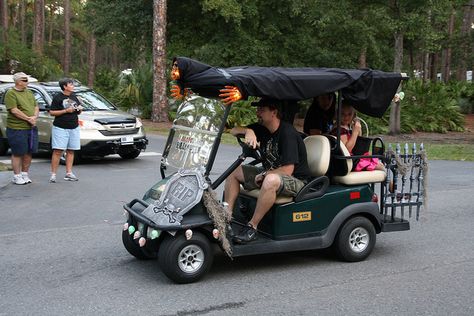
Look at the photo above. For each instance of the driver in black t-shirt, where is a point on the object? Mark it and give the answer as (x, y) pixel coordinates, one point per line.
(285, 168)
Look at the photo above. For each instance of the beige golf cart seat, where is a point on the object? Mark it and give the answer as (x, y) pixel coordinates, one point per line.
(350, 177)
(318, 151)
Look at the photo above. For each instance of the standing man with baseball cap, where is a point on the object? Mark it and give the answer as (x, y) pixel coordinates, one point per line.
(22, 133)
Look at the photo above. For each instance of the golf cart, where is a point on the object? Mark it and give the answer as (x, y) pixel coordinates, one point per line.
(180, 217)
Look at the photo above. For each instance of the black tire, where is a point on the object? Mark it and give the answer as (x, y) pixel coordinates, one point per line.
(134, 249)
(355, 240)
(77, 158)
(3, 146)
(172, 248)
(129, 154)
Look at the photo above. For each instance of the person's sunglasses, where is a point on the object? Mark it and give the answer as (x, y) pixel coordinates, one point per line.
(24, 80)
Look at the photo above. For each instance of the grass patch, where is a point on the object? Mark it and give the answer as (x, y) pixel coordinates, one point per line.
(460, 152)
(157, 130)
(5, 167)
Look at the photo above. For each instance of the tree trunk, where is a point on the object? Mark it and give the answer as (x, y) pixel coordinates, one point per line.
(363, 58)
(4, 19)
(433, 67)
(38, 30)
(467, 21)
(51, 23)
(426, 67)
(91, 61)
(394, 122)
(446, 75)
(22, 21)
(67, 37)
(160, 100)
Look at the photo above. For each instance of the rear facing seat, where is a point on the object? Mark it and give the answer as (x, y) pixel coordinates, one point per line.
(343, 169)
(318, 150)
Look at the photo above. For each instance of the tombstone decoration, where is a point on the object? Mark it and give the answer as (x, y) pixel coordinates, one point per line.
(183, 191)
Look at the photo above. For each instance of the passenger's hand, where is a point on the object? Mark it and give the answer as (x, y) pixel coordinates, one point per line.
(176, 92)
(230, 94)
(357, 128)
(70, 109)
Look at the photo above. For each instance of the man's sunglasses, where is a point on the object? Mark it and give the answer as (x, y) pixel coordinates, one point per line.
(24, 80)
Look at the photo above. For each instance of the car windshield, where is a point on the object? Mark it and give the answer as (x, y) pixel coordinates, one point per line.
(193, 133)
(91, 101)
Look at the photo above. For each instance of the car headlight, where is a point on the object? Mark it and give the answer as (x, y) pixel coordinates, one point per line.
(89, 125)
(139, 123)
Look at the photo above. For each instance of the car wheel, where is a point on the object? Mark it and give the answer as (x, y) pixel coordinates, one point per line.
(129, 154)
(134, 249)
(185, 261)
(355, 240)
(77, 158)
(3, 147)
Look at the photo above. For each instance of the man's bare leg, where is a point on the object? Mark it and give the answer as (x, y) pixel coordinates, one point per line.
(232, 187)
(16, 164)
(26, 162)
(266, 199)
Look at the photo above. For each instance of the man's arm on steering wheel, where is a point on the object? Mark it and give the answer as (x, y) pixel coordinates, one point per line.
(250, 137)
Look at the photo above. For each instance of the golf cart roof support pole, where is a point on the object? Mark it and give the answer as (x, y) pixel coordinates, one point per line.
(215, 147)
(338, 119)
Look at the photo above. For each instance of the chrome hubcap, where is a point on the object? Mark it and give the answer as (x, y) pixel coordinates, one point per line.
(359, 239)
(191, 258)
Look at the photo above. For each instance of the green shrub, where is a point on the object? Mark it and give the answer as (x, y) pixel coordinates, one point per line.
(241, 114)
(136, 90)
(106, 82)
(427, 107)
(40, 67)
(430, 107)
(464, 91)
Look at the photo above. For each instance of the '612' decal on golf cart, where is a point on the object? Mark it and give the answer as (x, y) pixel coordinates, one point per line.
(301, 216)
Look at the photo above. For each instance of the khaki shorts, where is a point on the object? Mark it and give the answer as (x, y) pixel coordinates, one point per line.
(290, 186)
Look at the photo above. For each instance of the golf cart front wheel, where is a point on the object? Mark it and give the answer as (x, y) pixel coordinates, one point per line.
(134, 249)
(355, 240)
(185, 261)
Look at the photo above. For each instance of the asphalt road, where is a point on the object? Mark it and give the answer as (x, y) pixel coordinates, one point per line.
(61, 254)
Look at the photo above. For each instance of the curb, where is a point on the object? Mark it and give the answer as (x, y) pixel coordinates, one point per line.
(5, 178)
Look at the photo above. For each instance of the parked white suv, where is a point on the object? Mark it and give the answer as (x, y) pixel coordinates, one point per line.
(105, 130)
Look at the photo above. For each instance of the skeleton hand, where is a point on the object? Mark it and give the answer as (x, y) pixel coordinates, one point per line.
(230, 94)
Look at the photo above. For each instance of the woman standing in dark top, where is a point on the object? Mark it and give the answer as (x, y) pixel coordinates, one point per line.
(65, 133)
(320, 115)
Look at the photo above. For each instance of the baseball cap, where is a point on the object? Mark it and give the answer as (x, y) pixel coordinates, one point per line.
(19, 75)
(268, 102)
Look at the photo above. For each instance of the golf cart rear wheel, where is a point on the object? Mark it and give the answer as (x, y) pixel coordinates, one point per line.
(355, 240)
(129, 154)
(185, 261)
(134, 249)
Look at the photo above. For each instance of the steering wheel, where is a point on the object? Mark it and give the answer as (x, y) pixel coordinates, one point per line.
(248, 151)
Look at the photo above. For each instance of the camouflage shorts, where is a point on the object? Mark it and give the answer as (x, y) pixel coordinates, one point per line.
(289, 186)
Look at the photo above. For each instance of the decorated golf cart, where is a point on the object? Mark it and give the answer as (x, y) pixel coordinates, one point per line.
(180, 218)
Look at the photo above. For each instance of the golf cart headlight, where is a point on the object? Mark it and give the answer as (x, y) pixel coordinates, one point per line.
(89, 125)
(139, 123)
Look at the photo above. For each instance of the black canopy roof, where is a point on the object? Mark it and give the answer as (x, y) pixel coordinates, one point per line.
(370, 91)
